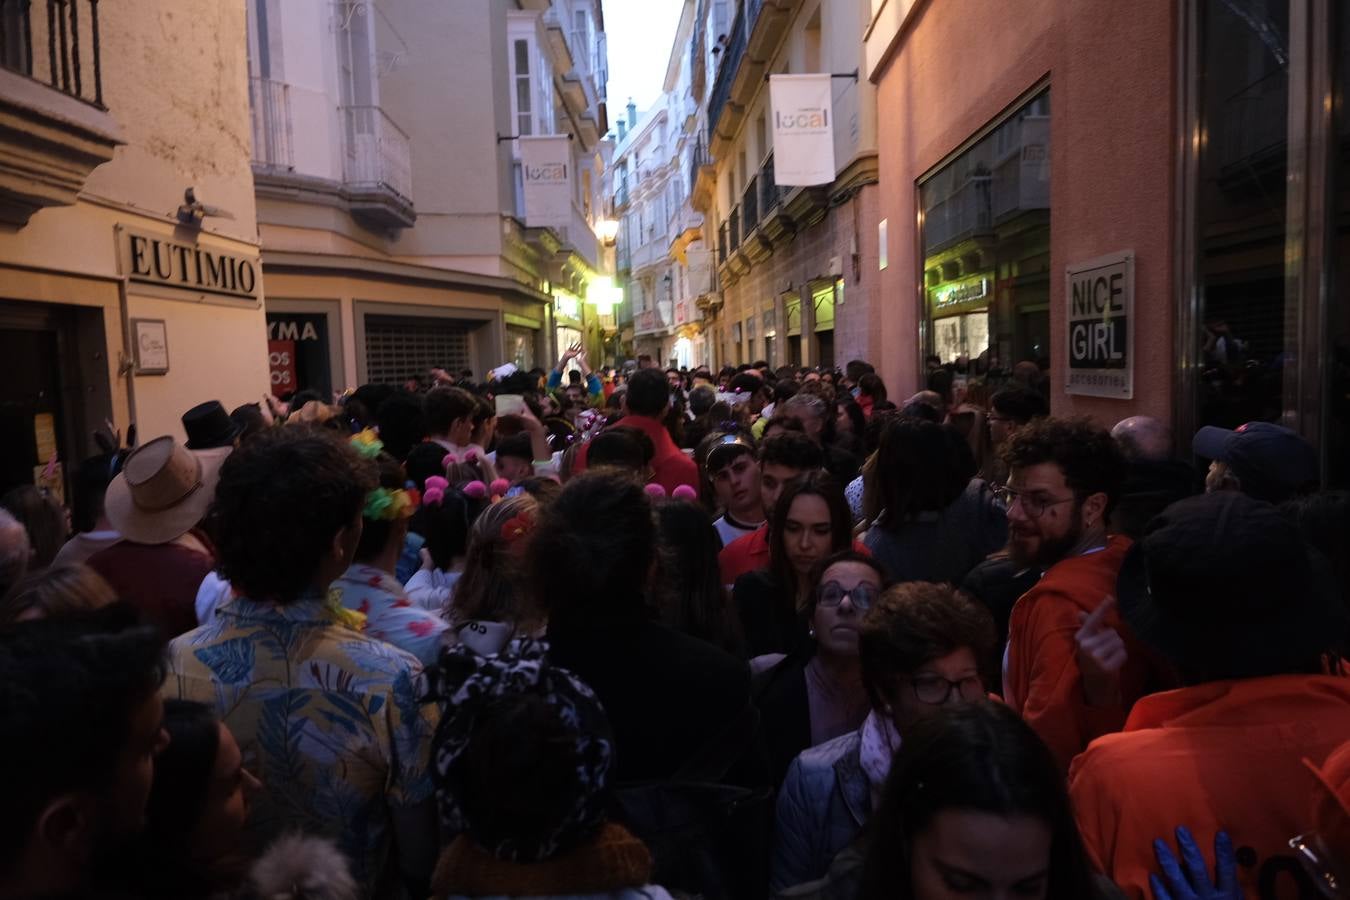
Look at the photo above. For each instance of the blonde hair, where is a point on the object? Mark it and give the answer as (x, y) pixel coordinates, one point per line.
(493, 584)
(55, 593)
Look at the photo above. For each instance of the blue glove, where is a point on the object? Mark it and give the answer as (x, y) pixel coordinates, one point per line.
(1194, 883)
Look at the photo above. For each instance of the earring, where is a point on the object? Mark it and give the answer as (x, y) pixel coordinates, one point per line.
(811, 630)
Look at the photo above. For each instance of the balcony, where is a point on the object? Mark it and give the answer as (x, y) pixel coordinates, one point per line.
(759, 28)
(377, 168)
(750, 207)
(269, 104)
(702, 177)
(621, 195)
(54, 127)
(730, 62)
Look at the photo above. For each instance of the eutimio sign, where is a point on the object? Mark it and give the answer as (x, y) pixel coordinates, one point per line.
(1100, 326)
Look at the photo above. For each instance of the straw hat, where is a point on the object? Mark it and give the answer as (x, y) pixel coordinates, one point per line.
(162, 491)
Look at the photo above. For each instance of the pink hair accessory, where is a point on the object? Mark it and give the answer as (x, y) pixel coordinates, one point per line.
(655, 491)
(684, 492)
(475, 490)
(499, 487)
(471, 456)
(449, 460)
(433, 496)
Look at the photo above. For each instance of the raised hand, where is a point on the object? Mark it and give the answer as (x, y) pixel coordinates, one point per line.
(1101, 655)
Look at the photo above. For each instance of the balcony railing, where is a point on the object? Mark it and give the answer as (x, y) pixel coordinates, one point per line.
(732, 54)
(750, 207)
(621, 194)
(69, 30)
(722, 244)
(269, 104)
(698, 159)
(377, 151)
(734, 230)
(770, 194)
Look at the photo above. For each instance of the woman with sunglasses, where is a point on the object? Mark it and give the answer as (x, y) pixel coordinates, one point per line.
(816, 693)
(920, 648)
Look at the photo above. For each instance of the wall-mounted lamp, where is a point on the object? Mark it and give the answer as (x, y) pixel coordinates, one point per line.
(608, 229)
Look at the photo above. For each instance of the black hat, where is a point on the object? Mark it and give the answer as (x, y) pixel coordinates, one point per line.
(1223, 582)
(209, 425)
(1273, 463)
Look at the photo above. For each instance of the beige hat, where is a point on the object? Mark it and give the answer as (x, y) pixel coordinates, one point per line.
(162, 491)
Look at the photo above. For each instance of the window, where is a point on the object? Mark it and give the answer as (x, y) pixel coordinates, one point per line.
(524, 91)
(986, 249)
(761, 136)
(811, 60)
(581, 37)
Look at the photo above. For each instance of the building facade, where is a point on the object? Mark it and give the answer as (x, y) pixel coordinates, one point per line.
(121, 298)
(1149, 199)
(796, 268)
(663, 259)
(392, 191)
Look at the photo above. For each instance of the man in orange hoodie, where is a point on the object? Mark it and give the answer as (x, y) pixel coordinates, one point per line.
(1064, 478)
(1226, 589)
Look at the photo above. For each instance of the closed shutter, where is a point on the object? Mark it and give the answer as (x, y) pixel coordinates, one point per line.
(398, 348)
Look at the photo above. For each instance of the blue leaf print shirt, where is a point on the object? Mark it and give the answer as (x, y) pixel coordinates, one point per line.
(331, 720)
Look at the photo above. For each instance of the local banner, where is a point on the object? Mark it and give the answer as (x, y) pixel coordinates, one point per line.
(803, 134)
(546, 169)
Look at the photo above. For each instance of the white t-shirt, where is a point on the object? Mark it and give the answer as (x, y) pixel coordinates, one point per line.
(728, 529)
(431, 588)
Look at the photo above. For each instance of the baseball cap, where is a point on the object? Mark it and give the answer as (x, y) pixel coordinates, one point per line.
(726, 449)
(1225, 582)
(1273, 463)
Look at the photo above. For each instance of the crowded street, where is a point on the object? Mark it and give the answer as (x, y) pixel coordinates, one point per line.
(674, 449)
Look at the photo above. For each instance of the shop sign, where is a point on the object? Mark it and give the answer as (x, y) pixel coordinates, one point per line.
(281, 364)
(291, 330)
(164, 262)
(151, 346)
(1100, 326)
(545, 163)
(803, 137)
(945, 299)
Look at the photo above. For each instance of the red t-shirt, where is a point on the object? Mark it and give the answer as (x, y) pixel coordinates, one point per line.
(751, 553)
(159, 580)
(671, 466)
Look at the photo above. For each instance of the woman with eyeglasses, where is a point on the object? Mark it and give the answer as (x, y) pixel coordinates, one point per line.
(920, 647)
(816, 693)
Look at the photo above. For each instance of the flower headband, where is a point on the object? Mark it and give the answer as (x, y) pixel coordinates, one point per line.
(385, 505)
(469, 685)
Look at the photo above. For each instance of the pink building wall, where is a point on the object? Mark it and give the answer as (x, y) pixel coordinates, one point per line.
(1111, 70)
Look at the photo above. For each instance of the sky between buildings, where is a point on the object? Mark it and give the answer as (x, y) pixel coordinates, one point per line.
(640, 34)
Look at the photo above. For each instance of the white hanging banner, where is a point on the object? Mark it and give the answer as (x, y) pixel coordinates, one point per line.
(803, 133)
(546, 171)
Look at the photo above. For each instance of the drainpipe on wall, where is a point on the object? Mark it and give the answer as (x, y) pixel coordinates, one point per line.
(126, 365)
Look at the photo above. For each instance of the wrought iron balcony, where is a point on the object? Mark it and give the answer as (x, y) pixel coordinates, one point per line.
(770, 194)
(72, 63)
(269, 104)
(377, 168)
(750, 207)
(732, 54)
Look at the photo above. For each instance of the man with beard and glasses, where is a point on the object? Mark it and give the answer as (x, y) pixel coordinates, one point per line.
(82, 724)
(1071, 668)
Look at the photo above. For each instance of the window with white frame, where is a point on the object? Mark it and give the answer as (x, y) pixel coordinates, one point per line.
(524, 94)
(581, 37)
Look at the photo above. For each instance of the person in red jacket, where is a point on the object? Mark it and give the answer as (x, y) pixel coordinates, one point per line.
(1227, 590)
(1072, 678)
(645, 405)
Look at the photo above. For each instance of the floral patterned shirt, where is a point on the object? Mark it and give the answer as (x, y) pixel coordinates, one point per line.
(390, 615)
(331, 720)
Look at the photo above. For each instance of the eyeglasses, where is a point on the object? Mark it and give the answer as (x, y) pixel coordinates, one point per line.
(1034, 505)
(862, 596)
(935, 690)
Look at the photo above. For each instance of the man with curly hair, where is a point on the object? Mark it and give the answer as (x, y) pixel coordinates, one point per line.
(330, 718)
(1071, 668)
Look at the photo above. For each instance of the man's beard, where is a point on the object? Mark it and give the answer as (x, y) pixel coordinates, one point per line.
(1049, 550)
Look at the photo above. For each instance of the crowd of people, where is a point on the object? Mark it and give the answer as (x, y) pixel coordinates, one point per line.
(648, 633)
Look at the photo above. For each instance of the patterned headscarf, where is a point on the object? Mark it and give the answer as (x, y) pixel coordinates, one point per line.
(468, 685)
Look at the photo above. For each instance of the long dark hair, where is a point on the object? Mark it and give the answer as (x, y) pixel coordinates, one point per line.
(689, 596)
(818, 484)
(919, 469)
(182, 774)
(980, 757)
